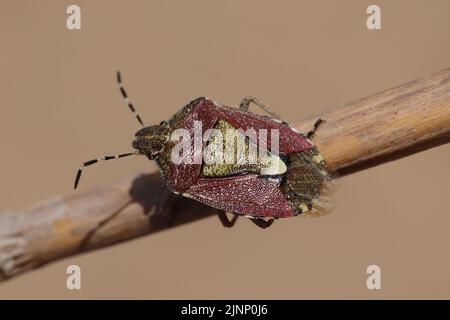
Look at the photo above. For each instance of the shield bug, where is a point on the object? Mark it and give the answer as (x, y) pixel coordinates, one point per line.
(288, 177)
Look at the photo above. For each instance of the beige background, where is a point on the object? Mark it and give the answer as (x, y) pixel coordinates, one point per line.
(60, 106)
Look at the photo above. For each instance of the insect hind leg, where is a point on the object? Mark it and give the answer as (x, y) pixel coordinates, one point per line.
(245, 105)
(263, 224)
(316, 126)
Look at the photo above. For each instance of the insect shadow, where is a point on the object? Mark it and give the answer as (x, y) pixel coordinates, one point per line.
(162, 208)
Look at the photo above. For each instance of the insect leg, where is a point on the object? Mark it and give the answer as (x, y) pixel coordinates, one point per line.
(317, 124)
(263, 224)
(127, 100)
(227, 223)
(245, 105)
(91, 162)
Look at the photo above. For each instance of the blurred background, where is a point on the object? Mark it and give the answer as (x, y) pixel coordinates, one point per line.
(60, 106)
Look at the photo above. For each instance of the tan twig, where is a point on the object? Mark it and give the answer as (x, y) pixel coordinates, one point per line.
(373, 130)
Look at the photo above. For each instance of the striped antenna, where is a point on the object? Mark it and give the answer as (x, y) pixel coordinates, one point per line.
(104, 158)
(127, 100)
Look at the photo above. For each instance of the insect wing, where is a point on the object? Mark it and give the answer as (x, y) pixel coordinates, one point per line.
(245, 194)
(290, 141)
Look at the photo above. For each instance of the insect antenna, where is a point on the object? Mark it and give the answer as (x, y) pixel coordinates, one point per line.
(104, 158)
(127, 100)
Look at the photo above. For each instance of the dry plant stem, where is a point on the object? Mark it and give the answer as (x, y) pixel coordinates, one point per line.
(373, 130)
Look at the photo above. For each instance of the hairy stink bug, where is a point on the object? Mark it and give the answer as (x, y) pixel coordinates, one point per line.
(287, 177)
